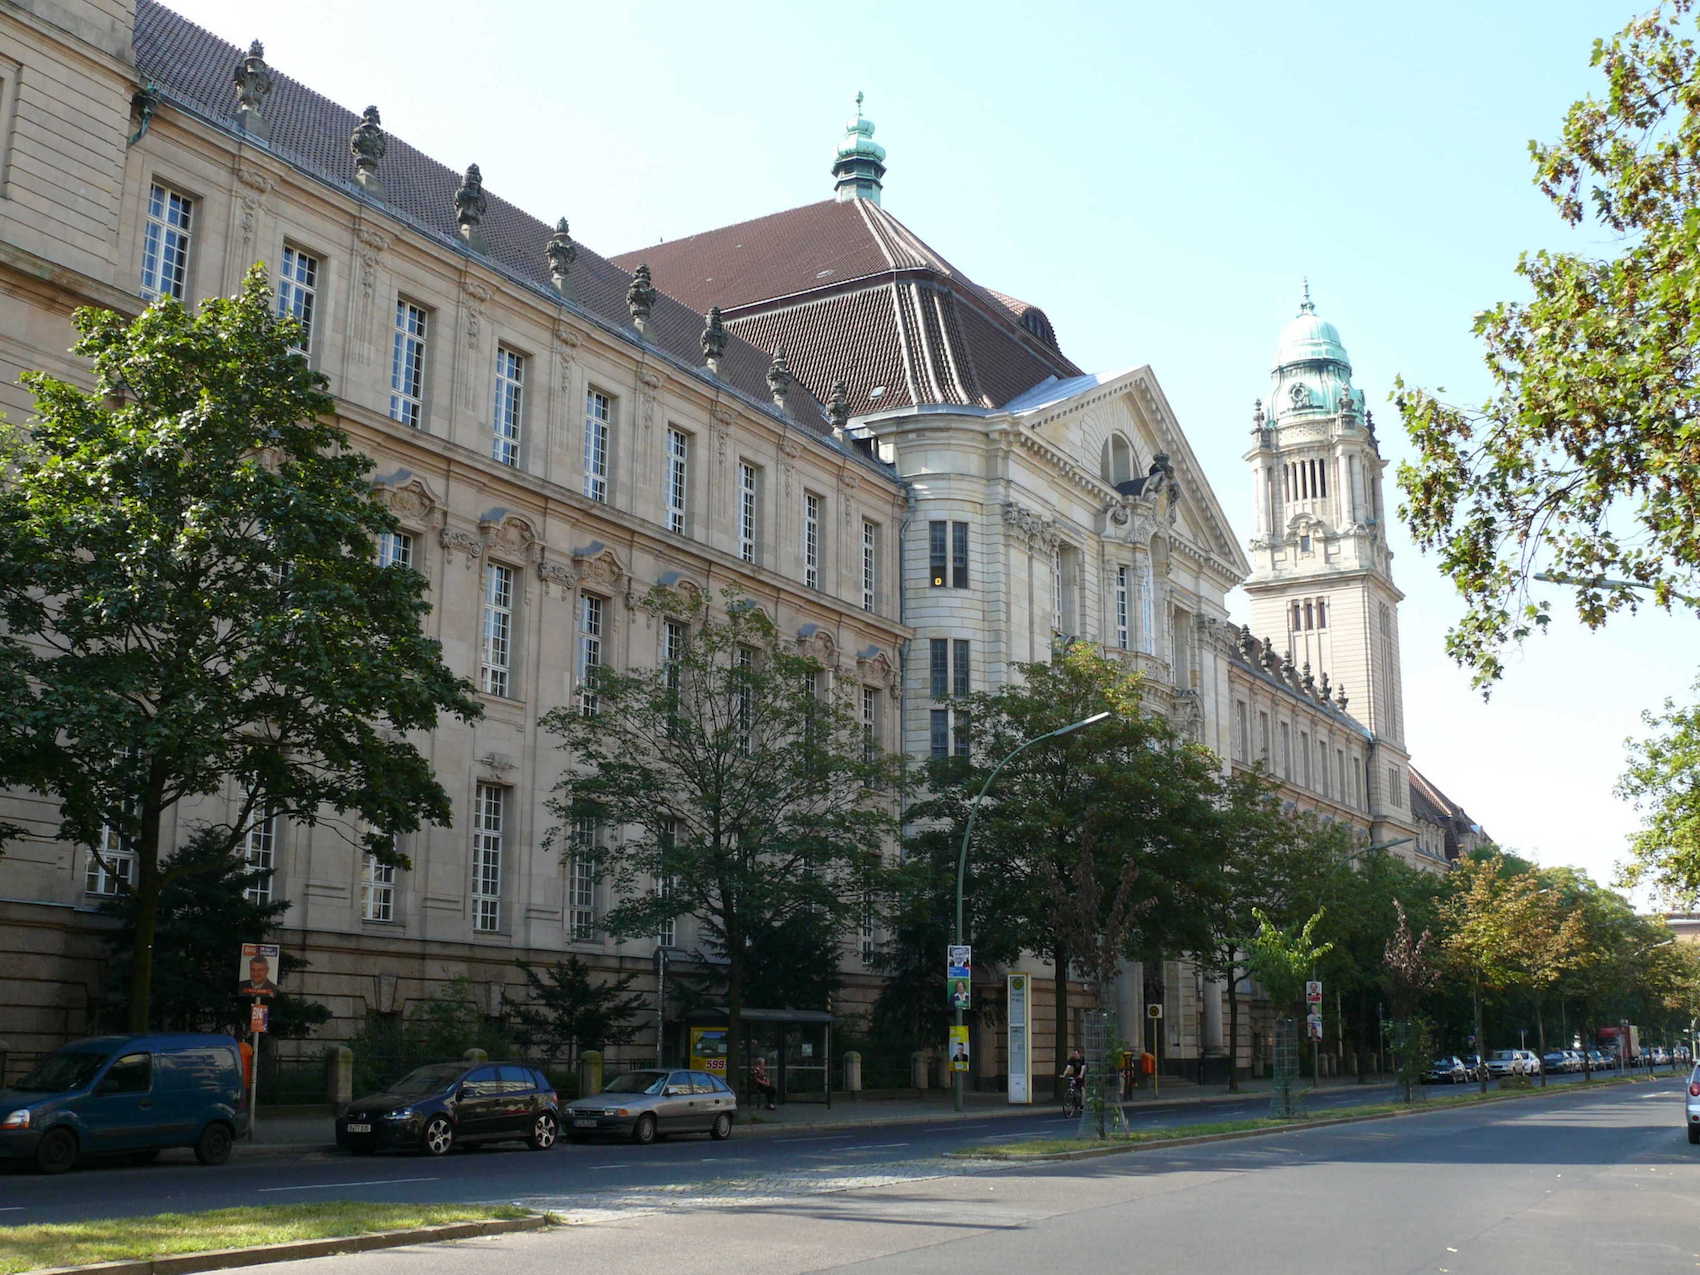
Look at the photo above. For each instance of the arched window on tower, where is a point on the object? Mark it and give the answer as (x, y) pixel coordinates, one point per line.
(1116, 463)
(1310, 616)
(1298, 618)
(1322, 613)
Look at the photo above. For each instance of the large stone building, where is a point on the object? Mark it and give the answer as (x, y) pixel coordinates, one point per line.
(551, 435)
(556, 437)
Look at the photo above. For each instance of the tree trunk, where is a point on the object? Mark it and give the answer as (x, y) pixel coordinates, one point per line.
(735, 1059)
(1481, 1045)
(1233, 1031)
(1541, 1036)
(148, 887)
(1060, 955)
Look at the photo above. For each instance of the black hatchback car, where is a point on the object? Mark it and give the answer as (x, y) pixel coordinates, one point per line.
(433, 1107)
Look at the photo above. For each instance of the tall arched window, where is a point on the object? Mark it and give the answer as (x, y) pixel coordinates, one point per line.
(1116, 463)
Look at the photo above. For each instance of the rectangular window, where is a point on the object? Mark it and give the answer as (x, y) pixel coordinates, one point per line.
(120, 859)
(939, 733)
(1121, 608)
(749, 526)
(1322, 767)
(1263, 738)
(1304, 756)
(407, 364)
(581, 882)
(165, 244)
(590, 617)
(1286, 752)
(1340, 774)
(870, 565)
(665, 934)
(1393, 787)
(1057, 591)
(489, 815)
(961, 669)
(377, 891)
(507, 416)
(496, 653)
(744, 695)
(598, 419)
(1242, 731)
(871, 733)
(259, 854)
(939, 666)
(959, 731)
(938, 553)
(959, 555)
(811, 540)
(395, 549)
(677, 479)
(867, 952)
(298, 292)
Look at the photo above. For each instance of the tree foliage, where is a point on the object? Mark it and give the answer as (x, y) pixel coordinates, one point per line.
(564, 1010)
(192, 608)
(1283, 960)
(734, 775)
(1585, 463)
(1663, 780)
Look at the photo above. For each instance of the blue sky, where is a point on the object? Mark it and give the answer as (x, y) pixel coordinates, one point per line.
(1157, 178)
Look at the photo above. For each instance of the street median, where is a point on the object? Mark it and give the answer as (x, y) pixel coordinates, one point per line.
(179, 1243)
(1042, 1149)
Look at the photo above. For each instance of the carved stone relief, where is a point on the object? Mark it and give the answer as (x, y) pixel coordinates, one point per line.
(455, 540)
(372, 243)
(557, 575)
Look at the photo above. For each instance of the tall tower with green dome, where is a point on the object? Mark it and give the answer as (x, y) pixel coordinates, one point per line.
(1322, 577)
(859, 165)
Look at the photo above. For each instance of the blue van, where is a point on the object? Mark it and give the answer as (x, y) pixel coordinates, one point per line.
(128, 1096)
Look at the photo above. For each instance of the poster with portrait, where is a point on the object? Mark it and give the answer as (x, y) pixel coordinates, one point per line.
(260, 967)
(959, 1048)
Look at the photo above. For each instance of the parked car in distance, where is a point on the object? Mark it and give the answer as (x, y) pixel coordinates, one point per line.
(1691, 1111)
(1597, 1061)
(653, 1102)
(1477, 1068)
(1447, 1070)
(1555, 1061)
(434, 1107)
(127, 1095)
(1513, 1062)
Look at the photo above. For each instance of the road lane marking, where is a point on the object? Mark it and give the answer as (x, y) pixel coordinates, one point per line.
(331, 1186)
(17, 1208)
(883, 1146)
(612, 1164)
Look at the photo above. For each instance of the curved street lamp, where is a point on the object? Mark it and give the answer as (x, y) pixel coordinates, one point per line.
(957, 1078)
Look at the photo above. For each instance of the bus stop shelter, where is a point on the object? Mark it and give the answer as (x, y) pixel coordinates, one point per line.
(797, 1044)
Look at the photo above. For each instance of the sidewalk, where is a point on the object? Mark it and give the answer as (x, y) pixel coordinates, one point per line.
(297, 1133)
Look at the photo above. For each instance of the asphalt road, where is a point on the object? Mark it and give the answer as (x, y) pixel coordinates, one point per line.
(1597, 1182)
(594, 1176)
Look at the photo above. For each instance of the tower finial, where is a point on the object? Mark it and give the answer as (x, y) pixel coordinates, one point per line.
(858, 103)
(859, 164)
(1306, 305)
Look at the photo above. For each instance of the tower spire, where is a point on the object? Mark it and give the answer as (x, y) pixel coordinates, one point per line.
(860, 161)
(1306, 306)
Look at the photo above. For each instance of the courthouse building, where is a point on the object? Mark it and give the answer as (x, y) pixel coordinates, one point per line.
(902, 465)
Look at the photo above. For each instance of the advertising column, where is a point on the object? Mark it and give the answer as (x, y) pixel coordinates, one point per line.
(1020, 1055)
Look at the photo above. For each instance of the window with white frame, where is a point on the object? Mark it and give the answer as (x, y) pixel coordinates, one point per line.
(1058, 619)
(665, 930)
(868, 914)
(749, 512)
(259, 854)
(489, 824)
(119, 869)
(1121, 608)
(872, 726)
(377, 890)
(591, 614)
(870, 565)
(395, 549)
(298, 292)
(407, 363)
(507, 417)
(743, 694)
(495, 658)
(598, 421)
(677, 479)
(165, 244)
(1242, 731)
(811, 540)
(581, 881)
(938, 733)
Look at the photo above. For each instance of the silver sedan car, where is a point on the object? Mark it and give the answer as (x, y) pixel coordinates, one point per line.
(651, 1103)
(1692, 1114)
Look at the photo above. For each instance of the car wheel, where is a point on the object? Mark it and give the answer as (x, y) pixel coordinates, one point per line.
(643, 1132)
(721, 1129)
(57, 1151)
(543, 1131)
(439, 1136)
(213, 1146)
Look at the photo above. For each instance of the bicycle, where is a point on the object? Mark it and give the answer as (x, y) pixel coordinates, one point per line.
(1073, 1102)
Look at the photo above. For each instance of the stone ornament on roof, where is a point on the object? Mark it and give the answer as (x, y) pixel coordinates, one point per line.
(560, 252)
(253, 82)
(713, 339)
(640, 298)
(471, 205)
(367, 145)
(838, 407)
(778, 379)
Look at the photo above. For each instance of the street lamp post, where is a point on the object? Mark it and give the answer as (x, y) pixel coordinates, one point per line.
(958, 1079)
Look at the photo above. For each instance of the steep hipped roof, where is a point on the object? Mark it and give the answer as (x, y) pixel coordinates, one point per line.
(850, 293)
(1428, 802)
(192, 69)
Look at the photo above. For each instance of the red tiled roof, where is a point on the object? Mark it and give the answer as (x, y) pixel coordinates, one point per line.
(848, 292)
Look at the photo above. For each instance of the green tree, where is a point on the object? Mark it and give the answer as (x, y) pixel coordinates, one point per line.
(1093, 843)
(1663, 780)
(565, 1011)
(192, 605)
(734, 776)
(205, 913)
(1582, 463)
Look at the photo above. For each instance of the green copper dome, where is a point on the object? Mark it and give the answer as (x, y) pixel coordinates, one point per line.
(1312, 372)
(859, 162)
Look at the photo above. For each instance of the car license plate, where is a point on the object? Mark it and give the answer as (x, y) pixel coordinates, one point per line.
(584, 1124)
(360, 1128)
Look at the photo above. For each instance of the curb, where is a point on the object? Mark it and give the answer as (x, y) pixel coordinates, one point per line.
(226, 1258)
(1298, 1126)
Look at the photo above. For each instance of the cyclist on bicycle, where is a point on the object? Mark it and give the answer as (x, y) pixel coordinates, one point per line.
(1074, 1072)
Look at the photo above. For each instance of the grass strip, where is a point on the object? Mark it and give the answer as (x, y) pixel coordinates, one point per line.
(29, 1247)
(1040, 1148)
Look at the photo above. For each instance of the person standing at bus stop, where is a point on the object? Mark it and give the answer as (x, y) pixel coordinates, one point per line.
(760, 1083)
